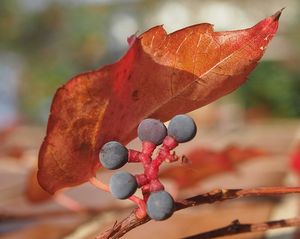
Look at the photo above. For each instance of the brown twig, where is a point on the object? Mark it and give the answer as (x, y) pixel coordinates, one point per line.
(237, 228)
(218, 195)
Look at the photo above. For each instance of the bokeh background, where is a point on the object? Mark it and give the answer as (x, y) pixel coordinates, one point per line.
(43, 43)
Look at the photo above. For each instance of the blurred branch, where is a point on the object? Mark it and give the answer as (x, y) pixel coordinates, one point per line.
(237, 228)
(217, 195)
(9, 217)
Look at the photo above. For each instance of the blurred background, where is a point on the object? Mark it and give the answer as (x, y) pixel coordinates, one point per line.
(43, 43)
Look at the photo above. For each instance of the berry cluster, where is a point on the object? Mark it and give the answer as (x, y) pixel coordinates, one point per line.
(152, 133)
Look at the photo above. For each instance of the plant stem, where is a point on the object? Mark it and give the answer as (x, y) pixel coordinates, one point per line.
(99, 184)
(237, 228)
(140, 212)
(217, 195)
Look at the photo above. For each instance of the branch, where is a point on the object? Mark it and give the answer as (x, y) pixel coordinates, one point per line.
(9, 217)
(237, 228)
(6, 216)
(217, 195)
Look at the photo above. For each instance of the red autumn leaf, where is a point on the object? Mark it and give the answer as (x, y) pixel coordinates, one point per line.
(161, 75)
(204, 162)
(15, 151)
(236, 154)
(33, 191)
(295, 159)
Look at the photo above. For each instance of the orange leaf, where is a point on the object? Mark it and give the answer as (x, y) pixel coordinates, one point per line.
(161, 75)
(33, 191)
(204, 162)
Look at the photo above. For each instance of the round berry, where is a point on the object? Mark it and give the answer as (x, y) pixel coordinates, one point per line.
(113, 155)
(182, 128)
(122, 185)
(152, 130)
(160, 205)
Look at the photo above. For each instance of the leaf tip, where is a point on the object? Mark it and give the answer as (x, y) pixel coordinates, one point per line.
(278, 14)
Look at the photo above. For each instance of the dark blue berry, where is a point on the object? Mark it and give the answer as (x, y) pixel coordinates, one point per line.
(182, 128)
(152, 130)
(122, 185)
(160, 205)
(113, 155)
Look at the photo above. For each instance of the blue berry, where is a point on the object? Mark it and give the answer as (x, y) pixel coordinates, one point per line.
(122, 185)
(113, 155)
(160, 205)
(152, 130)
(182, 128)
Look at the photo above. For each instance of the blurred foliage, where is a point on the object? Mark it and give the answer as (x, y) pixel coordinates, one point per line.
(54, 45)
(62, 40)
(273, 87)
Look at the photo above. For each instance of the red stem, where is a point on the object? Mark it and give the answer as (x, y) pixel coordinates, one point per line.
(134, 156)
(148, 148)
(141, 180)
(140, 212)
